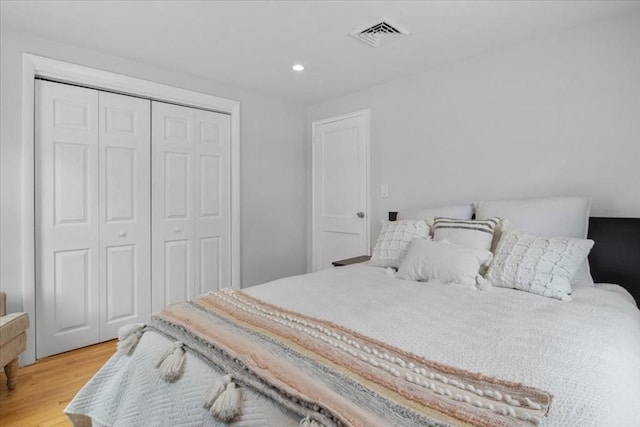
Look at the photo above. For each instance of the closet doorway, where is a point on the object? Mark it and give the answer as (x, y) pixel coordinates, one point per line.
(132, 210)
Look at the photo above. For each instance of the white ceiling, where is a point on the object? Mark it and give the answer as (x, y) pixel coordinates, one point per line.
(253, 44)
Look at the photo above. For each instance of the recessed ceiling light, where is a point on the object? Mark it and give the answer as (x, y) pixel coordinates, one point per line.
(298, 67)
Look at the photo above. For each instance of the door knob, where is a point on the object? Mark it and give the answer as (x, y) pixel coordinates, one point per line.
(177, 230)
(122, 233)
(360, 214)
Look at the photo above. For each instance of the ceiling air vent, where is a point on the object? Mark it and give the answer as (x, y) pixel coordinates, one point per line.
(379, 33)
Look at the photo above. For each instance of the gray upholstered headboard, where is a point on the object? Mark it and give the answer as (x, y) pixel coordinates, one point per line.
(615, 257)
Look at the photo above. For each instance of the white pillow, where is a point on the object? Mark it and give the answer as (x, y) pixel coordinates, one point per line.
(553, 216)
(443, 262)
(539, 264)
(394, 239)
(459, 212)
(475, 234)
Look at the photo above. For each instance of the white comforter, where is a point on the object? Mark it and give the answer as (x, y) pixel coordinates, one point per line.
(585, 352)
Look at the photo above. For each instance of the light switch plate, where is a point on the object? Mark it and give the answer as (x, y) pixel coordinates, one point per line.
(384, 190)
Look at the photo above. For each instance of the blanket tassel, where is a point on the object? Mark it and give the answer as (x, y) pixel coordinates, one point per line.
(214, 391)
(309, 422)
(128, 338)
(172, 362)
(223, 399)
(227, 405)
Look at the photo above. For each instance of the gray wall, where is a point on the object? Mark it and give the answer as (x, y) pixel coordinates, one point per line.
(273, 163)
(554, 116)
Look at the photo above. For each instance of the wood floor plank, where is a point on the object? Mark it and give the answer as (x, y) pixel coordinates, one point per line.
(46, 387)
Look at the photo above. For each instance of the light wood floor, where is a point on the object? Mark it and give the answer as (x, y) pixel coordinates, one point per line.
(46, 387)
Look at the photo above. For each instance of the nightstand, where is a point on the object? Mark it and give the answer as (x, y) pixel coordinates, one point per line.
(349, 261)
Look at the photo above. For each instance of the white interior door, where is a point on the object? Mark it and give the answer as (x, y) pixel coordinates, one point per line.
(340, 188)
(191, 165)
(125, 212)
(67, 218)
(213, 201)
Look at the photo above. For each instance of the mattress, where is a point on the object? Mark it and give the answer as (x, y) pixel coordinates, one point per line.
(585, 352)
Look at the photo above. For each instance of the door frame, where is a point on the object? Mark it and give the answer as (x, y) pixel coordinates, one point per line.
(38, 66)
(366, 115)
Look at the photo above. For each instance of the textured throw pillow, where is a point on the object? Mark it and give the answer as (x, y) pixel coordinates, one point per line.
(394, 239)
(468, 233)
(553, 216)
(539, 264)
(443, 262)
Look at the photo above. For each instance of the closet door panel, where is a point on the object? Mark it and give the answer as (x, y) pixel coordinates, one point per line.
(177, 178)
(172, 204)
(210, 268)
(70, 177)
(177, 271)
(209, 186)
(125, 212)
(120, 172)
(72, 284)
(213, 200)
(67, 217)
(121, 284)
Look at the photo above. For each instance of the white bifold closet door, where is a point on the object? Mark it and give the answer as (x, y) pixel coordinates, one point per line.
(92, 215)
(125, 212)
(191, 203)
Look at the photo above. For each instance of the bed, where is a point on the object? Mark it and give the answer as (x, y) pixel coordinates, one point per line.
(579, 359)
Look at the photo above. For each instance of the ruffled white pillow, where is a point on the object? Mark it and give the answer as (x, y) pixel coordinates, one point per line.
(443, 262)
(539, 264)
(394, 239)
